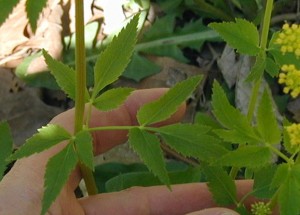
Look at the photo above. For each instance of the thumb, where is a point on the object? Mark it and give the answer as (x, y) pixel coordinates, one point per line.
(214, 211)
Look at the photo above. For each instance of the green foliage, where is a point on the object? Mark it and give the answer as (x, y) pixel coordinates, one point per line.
(6, 146)
(221, 185)
(289, 192)
(112, 62)
(192, 140)
(241, 35)
(147, 146)
(58, 169)
(266, 120)
(145, 179)
(112, 99)
(247, 156)
(46, 137)
(84, 148)
(33, 10)
(64, 75)
(239, 127)
(168, 104)
(6, 8)
(165, 39)
(262, 182)
(258, 68)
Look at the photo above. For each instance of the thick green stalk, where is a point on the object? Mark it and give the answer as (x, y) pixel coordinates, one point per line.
(257, 83)
(80, 65)
(263, 46)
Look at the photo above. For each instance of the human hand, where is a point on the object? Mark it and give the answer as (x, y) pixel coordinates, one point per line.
(21, 190)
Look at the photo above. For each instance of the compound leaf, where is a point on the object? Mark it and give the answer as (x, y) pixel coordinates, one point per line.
(191, 140)
(148, 147)
(6, 8)
(84, 148)
(247, 156)
(168, 104)
(266, 120)
(58, 169)
(46, 137)
(6, 146)
(241, 35)
(220, 184)
(113, 60)
(64, 75)
(112, 99)
(33, 10)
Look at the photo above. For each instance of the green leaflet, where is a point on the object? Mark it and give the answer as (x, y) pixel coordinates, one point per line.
(220, 184)
(289, 192)
(6, 8)
(192, 140)
(241, 35)
(84, 148)
(168, 104)
(33, 10)
(233, 136)
(262, 182)
(46, 137)
(266, 122)
(114, 59)
(271, 67)
(258, 68)
(112, 99)
(144, 179)
(230, 117)
(148, 147)
(58, 169)
(247, 156)
(64, 75)
(6, 146)
(280, 175)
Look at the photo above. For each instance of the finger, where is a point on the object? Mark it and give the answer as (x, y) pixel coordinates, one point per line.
(184, 198)
(214, 211)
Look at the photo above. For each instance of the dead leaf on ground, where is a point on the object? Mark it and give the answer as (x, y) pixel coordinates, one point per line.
(22, 107)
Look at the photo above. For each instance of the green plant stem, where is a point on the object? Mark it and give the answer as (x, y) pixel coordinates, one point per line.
(256, 86)
(80, 65)
(104, 128)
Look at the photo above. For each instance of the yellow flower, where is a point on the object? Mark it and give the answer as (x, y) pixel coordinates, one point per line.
(289, 39)
(293, 131)
(290, 76)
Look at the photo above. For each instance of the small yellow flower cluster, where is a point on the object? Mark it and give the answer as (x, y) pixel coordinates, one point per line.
(293, 131)
(290, 76)
(260, 208)
(289, 39)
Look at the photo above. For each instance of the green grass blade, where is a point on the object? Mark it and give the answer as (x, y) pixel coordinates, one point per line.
(46, 137)
(168, 104)
(6, 146)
